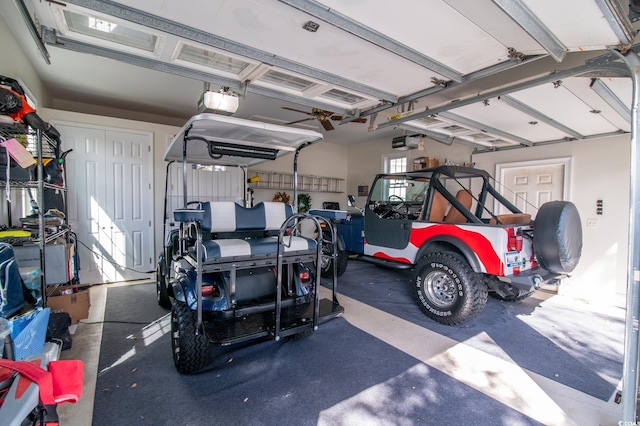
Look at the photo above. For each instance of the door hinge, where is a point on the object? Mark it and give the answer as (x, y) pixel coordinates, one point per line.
(149, 223)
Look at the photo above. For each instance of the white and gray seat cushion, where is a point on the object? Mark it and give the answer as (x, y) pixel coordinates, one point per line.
(228, 217)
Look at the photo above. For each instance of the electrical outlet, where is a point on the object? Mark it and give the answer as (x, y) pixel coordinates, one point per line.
(592, 223)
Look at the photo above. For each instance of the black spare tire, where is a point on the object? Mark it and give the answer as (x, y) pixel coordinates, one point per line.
(557, 236)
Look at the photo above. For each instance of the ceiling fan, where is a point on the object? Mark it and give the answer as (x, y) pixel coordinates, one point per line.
(323, 116)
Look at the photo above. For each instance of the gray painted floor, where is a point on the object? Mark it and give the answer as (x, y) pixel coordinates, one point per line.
(549, 360)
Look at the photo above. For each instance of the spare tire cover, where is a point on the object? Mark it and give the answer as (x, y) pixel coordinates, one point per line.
(557, 236)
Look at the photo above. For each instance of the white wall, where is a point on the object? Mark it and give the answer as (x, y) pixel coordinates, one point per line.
(600, 171)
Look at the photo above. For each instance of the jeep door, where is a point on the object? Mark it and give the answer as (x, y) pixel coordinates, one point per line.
(387, 222)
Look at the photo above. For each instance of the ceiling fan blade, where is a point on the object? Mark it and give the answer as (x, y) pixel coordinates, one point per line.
(327, 125)
(356, 120)
(299, 121)
(297, 110)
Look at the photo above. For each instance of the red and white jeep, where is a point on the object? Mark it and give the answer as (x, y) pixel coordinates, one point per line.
(463, 239)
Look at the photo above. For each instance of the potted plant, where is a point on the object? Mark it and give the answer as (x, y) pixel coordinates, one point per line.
(304, 203)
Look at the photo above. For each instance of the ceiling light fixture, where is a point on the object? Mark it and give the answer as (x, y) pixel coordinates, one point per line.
(223, 102)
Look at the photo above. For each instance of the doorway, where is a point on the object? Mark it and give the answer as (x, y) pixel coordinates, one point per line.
(529, 184)
(110, 201)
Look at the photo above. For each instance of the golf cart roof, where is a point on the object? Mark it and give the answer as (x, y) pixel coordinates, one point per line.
(222, 140)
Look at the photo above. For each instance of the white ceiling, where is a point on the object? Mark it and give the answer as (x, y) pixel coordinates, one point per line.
(439, 68)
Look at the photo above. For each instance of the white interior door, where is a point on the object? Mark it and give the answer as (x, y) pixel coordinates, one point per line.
(529, 185)
(110, 199)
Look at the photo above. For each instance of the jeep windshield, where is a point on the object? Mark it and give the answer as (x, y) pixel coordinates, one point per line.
(399, 188)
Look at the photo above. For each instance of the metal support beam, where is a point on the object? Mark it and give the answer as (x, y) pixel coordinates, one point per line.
(485, 72)
(602, 63)
(522, 16)
(157, 23)
(610, 98)
(483, 127)
(338, 20)
(514, 103)
(152, 64)
(549, 142)
(618, 20)
(31, 26)
(443, 139)
(631, 342)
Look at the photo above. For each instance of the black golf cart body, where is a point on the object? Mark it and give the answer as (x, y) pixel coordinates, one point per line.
(462, 238)
(233, 272)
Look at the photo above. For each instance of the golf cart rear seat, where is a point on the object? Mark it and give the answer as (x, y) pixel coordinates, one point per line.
(232, 233)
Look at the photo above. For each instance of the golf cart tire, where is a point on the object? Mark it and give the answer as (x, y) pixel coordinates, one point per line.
(191, 351)
(161, 287)
(557, 239)
(447, 289)
(342, 260)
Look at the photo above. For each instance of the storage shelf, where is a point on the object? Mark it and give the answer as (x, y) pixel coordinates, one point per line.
(284, 181)
(41, 147)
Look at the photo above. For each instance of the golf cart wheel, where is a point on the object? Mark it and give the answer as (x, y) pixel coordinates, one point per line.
(191, 351)
(557, 236)
(326, 266)
(447, 289)
(161, 286)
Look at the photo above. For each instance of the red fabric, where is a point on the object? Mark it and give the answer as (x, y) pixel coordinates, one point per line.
(37, 375)
(67, 380)
(62, 383)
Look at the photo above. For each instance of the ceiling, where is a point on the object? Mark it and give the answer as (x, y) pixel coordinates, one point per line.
(492, 74)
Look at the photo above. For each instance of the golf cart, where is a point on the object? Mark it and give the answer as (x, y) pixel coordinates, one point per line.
(232, 271)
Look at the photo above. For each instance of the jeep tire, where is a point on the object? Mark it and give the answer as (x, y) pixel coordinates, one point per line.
(191, 351)
(447, 289)
(557, 236)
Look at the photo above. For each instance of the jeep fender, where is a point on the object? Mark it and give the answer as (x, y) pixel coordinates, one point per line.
(449, 243)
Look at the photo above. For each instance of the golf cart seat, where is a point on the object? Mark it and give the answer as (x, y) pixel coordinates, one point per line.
(235, 233)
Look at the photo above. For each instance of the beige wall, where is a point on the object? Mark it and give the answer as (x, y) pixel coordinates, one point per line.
(600, 171)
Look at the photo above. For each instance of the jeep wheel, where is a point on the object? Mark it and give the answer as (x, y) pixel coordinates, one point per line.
(191, 351)
(161, 286)
(557, 236)
(448, 290)
(326, 266)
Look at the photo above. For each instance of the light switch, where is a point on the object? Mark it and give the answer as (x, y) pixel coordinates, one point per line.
(593, 223)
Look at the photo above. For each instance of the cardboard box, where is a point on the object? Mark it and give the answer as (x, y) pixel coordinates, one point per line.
(75, 304)
(425, 163)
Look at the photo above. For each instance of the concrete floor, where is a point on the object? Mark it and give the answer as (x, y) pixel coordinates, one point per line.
(540, 398)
